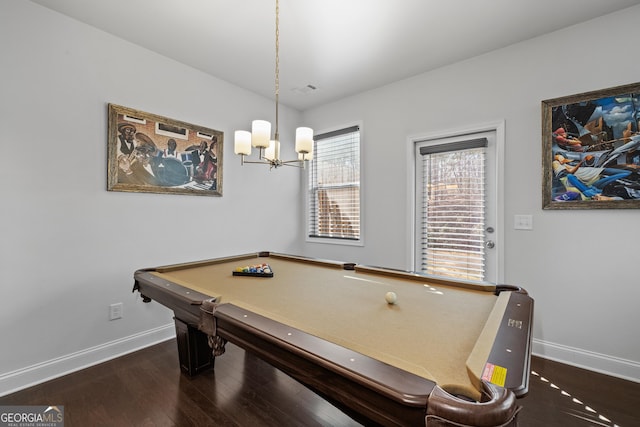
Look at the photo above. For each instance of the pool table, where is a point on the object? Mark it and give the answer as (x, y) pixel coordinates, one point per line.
(446, 352)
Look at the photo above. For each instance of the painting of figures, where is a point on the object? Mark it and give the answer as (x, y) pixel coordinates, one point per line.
(591, 150)
(155, 154)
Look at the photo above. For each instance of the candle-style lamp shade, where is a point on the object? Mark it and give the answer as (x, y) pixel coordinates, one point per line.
(242, 143)
(304, 140)
(272, 153)
(260, 133)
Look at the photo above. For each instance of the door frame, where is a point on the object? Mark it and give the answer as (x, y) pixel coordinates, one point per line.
(499, 128)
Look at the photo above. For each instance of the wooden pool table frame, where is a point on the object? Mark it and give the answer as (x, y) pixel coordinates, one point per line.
(375, 393)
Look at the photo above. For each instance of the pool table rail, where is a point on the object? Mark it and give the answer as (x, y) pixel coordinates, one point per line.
(436, 280)
(513, 342)
(254, 256)
(183, 301)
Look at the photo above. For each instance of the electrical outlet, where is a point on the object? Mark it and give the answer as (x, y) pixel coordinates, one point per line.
(115, 311)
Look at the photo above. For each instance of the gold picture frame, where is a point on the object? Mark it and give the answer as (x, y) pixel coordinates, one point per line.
(148, 153)
(591, 150)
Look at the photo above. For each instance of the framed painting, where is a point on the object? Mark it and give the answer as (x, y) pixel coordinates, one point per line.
(153, 154)
(591, 150)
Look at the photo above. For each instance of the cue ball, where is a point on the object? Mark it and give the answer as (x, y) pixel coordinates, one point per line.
(391, 297)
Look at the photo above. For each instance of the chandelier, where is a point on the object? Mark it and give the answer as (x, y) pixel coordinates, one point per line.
(260, 135)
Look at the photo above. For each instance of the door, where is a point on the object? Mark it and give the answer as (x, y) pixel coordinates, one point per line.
(457, 232)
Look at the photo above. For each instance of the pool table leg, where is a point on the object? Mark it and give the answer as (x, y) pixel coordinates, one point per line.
(194, 352)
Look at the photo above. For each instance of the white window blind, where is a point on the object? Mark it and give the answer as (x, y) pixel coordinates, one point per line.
(453, 211)
(334, 185)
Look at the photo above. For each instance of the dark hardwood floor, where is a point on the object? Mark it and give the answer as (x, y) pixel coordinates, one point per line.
(146, 388)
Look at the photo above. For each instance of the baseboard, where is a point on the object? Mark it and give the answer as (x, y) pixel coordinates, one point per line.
(45, 371)
(597, 362)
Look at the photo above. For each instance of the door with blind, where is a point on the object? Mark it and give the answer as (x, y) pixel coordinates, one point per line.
(456, 205)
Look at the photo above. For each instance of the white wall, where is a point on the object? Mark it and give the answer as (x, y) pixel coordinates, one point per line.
(579, 266)
(68, 248)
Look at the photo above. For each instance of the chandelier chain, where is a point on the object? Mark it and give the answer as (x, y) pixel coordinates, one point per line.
(276, 135)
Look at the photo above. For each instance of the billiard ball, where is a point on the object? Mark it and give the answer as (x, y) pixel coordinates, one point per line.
(391, 297)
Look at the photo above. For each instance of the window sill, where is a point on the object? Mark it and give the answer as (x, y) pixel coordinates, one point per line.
(329, 241)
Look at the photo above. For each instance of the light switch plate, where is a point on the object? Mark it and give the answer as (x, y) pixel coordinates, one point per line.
(523, 222)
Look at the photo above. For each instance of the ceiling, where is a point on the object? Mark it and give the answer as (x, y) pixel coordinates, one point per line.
(338, 47)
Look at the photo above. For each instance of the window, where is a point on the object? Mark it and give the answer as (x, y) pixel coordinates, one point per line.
(452, 212)
(334, 185)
